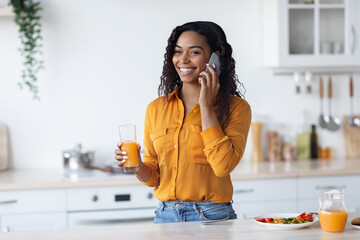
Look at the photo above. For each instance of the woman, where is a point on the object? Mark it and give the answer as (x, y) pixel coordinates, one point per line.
(195, 134)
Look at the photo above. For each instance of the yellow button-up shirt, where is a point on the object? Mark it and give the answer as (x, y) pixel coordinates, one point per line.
(187, 163)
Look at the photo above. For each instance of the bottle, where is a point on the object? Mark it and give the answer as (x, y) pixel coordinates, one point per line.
(313, 142)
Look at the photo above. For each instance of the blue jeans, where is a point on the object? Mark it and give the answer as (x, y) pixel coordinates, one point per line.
(179, 211)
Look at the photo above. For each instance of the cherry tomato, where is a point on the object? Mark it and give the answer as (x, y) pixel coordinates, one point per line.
(309, 217)
(260, 219)
(302, 215)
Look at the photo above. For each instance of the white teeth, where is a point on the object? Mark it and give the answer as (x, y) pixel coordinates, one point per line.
(186, 69)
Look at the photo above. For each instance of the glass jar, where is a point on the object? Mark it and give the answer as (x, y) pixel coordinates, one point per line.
(256, 131)
(324, 153)
(332, 212)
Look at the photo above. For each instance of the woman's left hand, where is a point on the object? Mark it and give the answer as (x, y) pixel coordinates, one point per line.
(209, 87)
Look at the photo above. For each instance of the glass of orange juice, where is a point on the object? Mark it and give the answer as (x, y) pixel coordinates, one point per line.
(128, 141)
(332, 213)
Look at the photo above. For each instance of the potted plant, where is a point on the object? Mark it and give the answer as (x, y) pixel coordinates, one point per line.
(28, 19)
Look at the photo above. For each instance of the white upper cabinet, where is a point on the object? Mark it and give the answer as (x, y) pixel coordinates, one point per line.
(321, 34)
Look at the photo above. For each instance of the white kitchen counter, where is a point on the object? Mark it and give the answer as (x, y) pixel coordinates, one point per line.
(234, 229)
(301, 168)
(42, 179)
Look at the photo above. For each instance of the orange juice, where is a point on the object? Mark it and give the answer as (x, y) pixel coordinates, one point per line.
(332, 220)
(131, 152)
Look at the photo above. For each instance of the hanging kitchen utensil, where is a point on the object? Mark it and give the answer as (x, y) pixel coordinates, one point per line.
(334, 122)
(323, 120)
(352, 121)
(308, 81)
(297, 78)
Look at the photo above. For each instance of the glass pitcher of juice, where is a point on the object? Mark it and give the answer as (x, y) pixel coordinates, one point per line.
(332, 212)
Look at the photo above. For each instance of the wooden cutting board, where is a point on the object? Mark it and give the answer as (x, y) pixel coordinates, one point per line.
(4, 149)
(351, 138)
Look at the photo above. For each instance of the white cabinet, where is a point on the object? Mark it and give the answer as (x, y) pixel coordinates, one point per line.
(32, 210)
(297, 194)
(309, 190)
(33, 221)
(75, 207)
(255, 197)
(311, 34)
(110, 205)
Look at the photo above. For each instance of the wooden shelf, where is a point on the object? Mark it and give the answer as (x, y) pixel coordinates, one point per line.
(317, 70)
(301, 6)
(312, 6)
(332, 6)
(6, 12)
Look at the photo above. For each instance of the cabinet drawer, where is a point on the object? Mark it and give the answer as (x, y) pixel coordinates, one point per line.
(110, 198)
(262, 190)
(32, 201)
(114, 217)
(312, 187)
(33, 221)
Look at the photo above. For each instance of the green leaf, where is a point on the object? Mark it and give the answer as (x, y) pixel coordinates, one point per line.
(28, 21)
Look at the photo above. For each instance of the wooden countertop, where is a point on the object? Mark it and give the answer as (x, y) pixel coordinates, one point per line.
(233, 229)
(40, 179)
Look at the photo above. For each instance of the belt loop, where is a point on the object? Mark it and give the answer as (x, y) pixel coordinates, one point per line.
(162, 205)
(196, 208)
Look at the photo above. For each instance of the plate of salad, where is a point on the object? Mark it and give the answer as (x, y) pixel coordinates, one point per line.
(286, 220)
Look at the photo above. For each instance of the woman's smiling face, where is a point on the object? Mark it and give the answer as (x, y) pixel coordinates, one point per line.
(190, 56)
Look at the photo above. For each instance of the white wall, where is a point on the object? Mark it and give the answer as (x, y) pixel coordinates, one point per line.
(103, 60)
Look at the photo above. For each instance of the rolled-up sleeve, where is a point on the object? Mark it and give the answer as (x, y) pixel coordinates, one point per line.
(150, 157)
(225, 148)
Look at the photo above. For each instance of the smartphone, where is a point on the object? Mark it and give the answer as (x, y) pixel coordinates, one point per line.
(214, 59)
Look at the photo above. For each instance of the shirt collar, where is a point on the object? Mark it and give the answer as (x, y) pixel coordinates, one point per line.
(175, 93)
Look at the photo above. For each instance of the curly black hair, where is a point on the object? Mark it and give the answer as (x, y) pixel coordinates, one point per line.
(216, 39)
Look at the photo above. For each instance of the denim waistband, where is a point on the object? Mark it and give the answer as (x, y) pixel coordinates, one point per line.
(179, 202)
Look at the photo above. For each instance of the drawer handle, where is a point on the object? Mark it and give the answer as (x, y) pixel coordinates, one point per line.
(330, 187)
(245, 190)
(8, 202)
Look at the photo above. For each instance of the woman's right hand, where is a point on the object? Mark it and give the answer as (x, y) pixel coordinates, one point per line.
(143, 172)
(120, 156)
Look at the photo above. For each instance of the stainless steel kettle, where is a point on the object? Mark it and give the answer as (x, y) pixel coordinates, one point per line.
(78, 158)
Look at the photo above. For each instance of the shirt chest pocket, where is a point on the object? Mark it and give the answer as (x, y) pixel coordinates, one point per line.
(160, 142)
(195, 149)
